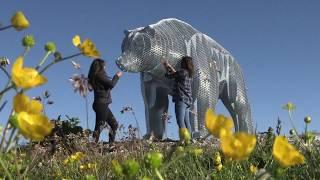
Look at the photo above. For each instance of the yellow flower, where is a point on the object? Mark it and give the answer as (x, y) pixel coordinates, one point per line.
(92, 165)
(285, 153)
(238, 146)
(219, 167)
(66, 161)
(217, 161)
(289, 106)
(31, 123)
(80, 155)
(83, 167)
(197, 152)
(217, 158)
(184, 135)
(87, 48)
(34, 126)
(218, 125)
(25, 77)
(19, 21)
(74, 157)
(22, 103)
(76, 40)
(77, 156)
(154, 159)
(180, 150)
(253, 169)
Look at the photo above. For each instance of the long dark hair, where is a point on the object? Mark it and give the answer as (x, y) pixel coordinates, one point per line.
(186, 63)
(97, 67)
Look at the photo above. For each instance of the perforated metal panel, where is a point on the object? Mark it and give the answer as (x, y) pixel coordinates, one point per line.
(217, 74)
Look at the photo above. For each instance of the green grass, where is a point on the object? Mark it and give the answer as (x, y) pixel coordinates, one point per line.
(45, 161)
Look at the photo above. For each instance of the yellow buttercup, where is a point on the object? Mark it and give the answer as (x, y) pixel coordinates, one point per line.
(34, 126)
(77, 156)
(19, 21)
(184, 135)
(74, 157)
(22, 103)
(238, 146)
(217, 161)
(76, 41)
(25, 77)
(218, 124)
(289, 106)
(253, 169)
(286, 154)
(87, 48)
(30, 122)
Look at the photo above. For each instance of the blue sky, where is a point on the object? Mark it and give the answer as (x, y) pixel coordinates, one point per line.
(275, 42)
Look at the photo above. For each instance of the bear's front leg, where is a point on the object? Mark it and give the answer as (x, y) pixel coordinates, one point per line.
(156, 104)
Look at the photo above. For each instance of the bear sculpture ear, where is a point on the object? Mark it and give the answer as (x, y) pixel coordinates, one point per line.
(126, 32)
(149, 30)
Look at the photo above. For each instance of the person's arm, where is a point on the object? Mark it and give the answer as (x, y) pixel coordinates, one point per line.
(171, 72)
(181, 74)
(169, 67)
(171, 75)
(108, 83)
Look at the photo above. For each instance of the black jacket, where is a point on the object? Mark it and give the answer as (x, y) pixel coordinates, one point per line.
(103, 87)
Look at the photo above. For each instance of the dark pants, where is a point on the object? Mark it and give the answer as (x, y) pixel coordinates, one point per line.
(104, 117)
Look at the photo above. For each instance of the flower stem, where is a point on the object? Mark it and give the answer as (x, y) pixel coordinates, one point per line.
(25, 52)
(7, 88)
(290, 118)
(5, 169)
(5, 131)
(6, 27)
(158, 174)
(270, 160)
(174, 159)
(87, 112)
(13, 131)
(232, 170)
(16, 161)
(305, 134)
(6, 72)
(60, 60)
(135, 118)
(43, 59)
(3, 105)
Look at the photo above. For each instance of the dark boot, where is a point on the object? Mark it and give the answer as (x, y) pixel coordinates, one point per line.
(113, 125)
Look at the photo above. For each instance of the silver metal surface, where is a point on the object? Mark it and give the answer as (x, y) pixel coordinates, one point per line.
(217, 74)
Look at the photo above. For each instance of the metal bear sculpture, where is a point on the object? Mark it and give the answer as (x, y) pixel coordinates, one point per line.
(217, 74)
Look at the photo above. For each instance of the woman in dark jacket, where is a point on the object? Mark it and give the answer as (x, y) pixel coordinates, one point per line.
(182, 95)
(102, 86)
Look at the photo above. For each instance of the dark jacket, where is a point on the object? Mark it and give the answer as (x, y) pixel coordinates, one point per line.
(182, 87)
(103, 87)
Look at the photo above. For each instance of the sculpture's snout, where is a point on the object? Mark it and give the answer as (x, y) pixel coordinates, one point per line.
(120, 64)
